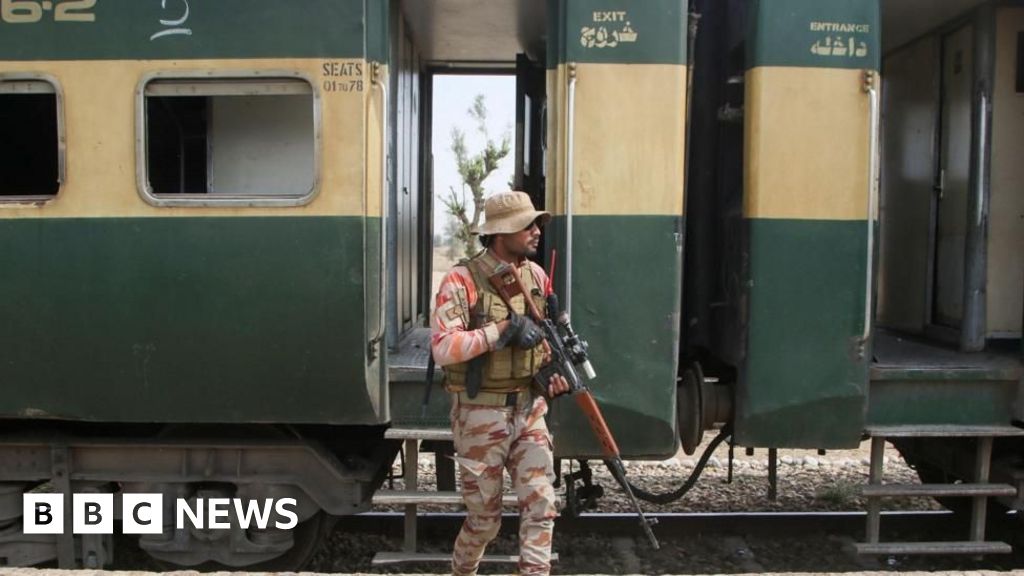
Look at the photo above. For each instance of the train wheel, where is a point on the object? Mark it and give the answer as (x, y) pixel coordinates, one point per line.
(209, 552)
(308, 537)
(690, 408)
(16, 548)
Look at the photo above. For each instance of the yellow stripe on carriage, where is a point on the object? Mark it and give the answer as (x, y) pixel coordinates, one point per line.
(806, 137)
(630, 124)
(100, 127)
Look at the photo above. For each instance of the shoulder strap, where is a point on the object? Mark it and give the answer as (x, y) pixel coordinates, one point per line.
(481, 267)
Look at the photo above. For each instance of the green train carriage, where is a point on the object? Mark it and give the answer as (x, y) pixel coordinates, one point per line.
(193, 276)
(217, 242)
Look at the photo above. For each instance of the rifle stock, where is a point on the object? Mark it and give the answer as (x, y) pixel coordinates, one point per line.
(585, 400)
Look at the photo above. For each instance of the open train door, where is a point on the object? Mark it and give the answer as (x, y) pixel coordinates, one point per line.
(951, 190)
(809, 208)
(616, 111)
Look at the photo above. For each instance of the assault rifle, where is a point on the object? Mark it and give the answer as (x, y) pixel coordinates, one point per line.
(569, 352)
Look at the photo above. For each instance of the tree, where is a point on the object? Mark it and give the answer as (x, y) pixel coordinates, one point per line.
(474, 170)
(454, 246)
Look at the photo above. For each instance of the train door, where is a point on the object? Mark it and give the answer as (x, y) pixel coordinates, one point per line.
(951, 190)
(405, 237)
(531, 117)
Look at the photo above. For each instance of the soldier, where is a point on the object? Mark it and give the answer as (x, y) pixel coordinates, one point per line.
(490, 354)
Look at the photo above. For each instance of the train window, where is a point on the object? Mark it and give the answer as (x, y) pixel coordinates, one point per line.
(32, 146)
(238, 140)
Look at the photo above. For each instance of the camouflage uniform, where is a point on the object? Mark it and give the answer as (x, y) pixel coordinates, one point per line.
(491, 438)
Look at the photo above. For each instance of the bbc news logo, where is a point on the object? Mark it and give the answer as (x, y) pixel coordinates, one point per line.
(144, 513)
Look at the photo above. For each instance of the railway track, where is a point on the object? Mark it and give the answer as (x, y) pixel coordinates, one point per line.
(671, 524)
(697, 543)
(692, 543)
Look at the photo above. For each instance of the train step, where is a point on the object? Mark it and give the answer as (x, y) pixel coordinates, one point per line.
(923, 548)
(967, 490)
(443, 498)
(942, 431)
(398, 557)
(978, 491)
(434, 434)
(412, 498)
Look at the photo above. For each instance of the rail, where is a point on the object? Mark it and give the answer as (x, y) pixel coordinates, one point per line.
(570, 152)
(380, 82)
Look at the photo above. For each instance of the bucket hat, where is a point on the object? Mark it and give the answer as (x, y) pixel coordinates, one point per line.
(508, 213)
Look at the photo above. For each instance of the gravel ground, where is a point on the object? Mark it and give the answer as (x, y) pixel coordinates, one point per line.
(806, 482)
(680, 554)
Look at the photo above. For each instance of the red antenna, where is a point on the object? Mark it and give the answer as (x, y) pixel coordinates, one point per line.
(551, 273)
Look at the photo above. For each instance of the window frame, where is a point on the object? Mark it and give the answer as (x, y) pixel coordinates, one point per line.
(213, 199)
(58, 92)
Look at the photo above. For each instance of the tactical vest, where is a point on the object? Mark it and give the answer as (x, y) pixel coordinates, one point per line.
(509, 369)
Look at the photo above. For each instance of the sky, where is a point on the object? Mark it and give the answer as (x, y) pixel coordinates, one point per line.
(453, 97)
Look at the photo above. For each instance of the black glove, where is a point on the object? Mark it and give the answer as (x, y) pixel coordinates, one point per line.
(521, 332)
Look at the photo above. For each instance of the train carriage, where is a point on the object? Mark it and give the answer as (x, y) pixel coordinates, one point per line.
(794, 221)
(192, 230)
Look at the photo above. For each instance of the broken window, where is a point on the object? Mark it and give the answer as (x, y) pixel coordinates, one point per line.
(31, 159)
(225, 140)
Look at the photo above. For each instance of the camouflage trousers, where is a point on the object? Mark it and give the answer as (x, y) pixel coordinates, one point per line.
(489, 440)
